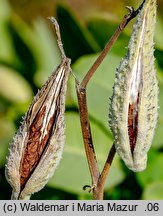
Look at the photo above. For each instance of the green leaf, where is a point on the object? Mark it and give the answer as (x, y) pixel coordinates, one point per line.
(7, 53)
(100, 86)
(36, 49)
(48, 56)
(73, 173)
(24, 53)
(159, 33)
(6, 132)
(153, 171)
(76, 38)
(153, 191)
(158, 137)
(103, 29)
(13, 86)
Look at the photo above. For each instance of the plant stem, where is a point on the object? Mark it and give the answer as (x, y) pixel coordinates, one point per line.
(132, 13)
(87, 135)
(98, 194)
(98, 180)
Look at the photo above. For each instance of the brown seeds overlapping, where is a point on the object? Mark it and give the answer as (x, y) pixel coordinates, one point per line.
(38, 145)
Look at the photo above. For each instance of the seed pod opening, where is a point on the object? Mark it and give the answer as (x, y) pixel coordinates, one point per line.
(134, 103)
(38, 145)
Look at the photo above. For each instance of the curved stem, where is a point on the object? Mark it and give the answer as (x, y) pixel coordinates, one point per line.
(87, 135)
(98, 180)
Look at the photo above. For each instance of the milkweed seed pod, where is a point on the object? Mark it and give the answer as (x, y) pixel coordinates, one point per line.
(134, 103)
(37, 146)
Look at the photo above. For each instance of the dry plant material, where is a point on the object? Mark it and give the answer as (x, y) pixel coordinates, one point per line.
(134, 104)
(98, 178)
(37, 147)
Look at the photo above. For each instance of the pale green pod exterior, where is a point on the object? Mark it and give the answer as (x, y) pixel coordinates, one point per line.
(140, 61)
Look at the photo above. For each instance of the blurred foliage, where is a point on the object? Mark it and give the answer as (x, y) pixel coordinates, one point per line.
(28, 55)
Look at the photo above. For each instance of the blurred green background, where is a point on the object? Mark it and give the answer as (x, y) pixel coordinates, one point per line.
(28, 55)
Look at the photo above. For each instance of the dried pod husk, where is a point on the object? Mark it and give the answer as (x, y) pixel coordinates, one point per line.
(37, 146)
(134, 103)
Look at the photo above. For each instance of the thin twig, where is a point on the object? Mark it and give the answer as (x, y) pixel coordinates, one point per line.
(58, 34)
(98, 180)
(87, 136)
(102, 179)
(132, 14)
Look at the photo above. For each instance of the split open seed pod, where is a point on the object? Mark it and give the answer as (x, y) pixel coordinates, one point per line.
(38, 145)
(134, 103)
